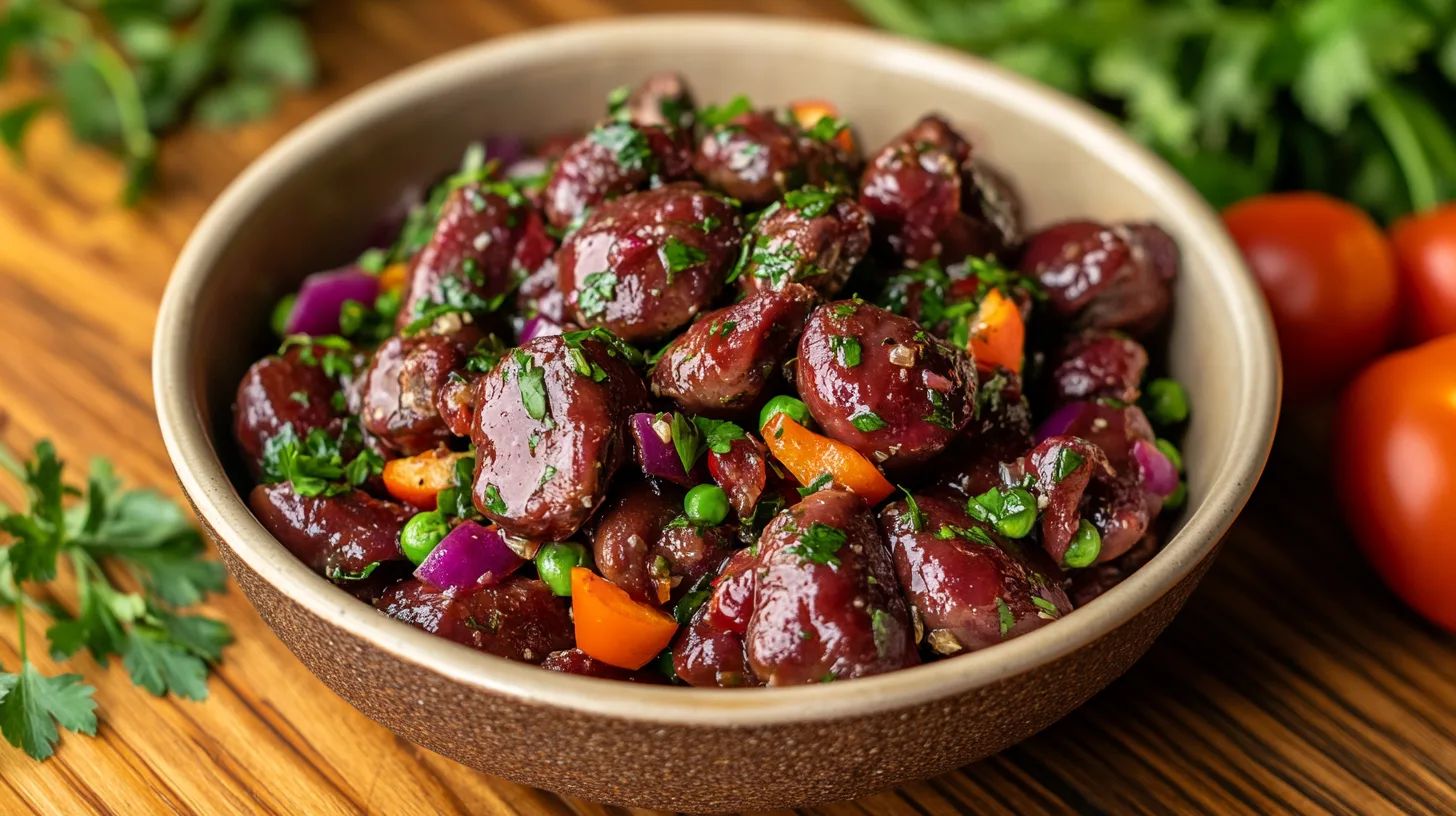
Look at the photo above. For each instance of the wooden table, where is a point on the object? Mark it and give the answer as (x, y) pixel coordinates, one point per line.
(1292, 682)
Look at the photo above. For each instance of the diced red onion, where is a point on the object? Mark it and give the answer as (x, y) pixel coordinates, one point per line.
(539, 327)
(658, 457)
(470, 557)
(505, 149)
(1060, 420)
(316, 311)
(1160, 477)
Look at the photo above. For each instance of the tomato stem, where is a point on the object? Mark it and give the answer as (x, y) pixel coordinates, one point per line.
(1401, 137)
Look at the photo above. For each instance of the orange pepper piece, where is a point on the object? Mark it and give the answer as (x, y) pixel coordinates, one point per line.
(417, 479)
(998, 334)
(808, 112)
(393, 277)
(612, 627)
(808, 456)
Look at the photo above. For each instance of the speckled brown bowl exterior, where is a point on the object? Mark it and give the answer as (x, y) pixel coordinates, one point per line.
(307, 204)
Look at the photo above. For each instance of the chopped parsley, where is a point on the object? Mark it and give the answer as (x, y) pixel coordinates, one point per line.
(451, 296)
(686, 439)
(531, 379)
(727, 328)
(315, 465)
(1003, 612)
(912, 512)
(846, 308)
(370, 324)
(493, 501)
(819, 544)
(337, 573)
(455, 500)
(880, 622)
(976, 534)
(810, 201)
(719, 435)
(547, 475)
(867, 421)
(1046, 608)
(614, 345)
(693, 599)
(598, 289)
(709, 224)
(716, 116)
(373, 260)
(1067, 461)
(299, 397)
(677, 256)
(337, 359)
(628, 144)
(827, 128)
(583, 365)
(617, 103)
(939, 410)
(820, 482)
(486, 354)
(1012, 511)
(846, 349)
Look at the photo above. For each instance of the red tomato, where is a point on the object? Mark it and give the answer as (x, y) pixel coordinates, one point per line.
(1425, 250)
(1396, 472)
(1330, 280)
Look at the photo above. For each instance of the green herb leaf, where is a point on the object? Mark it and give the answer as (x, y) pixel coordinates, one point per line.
(820, 482)
(715, 116)
(531, 380)
(597, 290)
(867, 421)
(846, 349)
(810, 201)
(1003, 613)
(687, 440)
(1067, 461)
(912, 512)
(493, 501)
(15, 121)
(32, 705)
(819, 544)
(719, 435)
(628, 145)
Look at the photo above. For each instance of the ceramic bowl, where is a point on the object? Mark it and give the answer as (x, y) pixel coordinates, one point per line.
(307, 205)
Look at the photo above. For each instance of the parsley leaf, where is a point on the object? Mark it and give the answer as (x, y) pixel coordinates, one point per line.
(1067, 461)
(687, 439)
(597, 290)
(493, 501)
(819, 544)
(1003, 614)
(719, 435)
(912, 511)
(531, 380)
(32, 705)
(628, 145)
(846, 349)
(820, 482)
(826, 129)
(716, 116)
(810, 201)
(867, 421)
(678, 256)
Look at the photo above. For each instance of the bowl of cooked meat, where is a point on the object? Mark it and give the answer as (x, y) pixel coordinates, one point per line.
(714, 413)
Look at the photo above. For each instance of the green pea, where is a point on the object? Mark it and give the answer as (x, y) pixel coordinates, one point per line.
(1018, 513)
(794, 407)
(1170, 450)
(421, 534)
(706, 504)
(1166, 401)
(1086, 546)
(554, 562)
(1177, 498)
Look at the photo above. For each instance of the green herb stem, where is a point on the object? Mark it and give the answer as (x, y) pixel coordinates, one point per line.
(1406, 146)
(130, 112)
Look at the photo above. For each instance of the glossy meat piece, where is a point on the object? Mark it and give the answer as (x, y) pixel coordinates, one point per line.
(518, 619)
(402, 389)
(644, 264)
(340, 537)
(912, 188)
(1099, 364)
(970, 589)
(549, 438)
(706, 655)
(989, 222)
(877, 382)
(468, 258)
(455, 402)
(723, 363)
(278, 392)
(575, 661)
(988, 455)
(539, 294)
(662, 99)
(612, 160)
(825, 610)
(1100, 277)
(742, 472)
(1063, 467)
(1116, 503)
(754, 158)
(792, 245)
(637, 547)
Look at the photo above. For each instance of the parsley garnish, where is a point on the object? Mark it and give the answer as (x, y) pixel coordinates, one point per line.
(1003, 612)
(880, 621)
(315, 465)
(493, 501)
(694, 598)
(163, 650)
(369, 324)
(867, 421)
(531, 379)
(678, 256)
(486, 354)
(728, 327)
(826, 129)
(627, 143)
(614, 345)
(939, 410)
(337, 359)
(715, 116)
(812, 202)
(846, 349)
(456, 500)
(820, 482)
(1047, 609)
(976, 534)
(451, 296)
(598, 289)
(1067, 461)
(719, 435)
(912, 511)
(1011, 510)
(819, 544)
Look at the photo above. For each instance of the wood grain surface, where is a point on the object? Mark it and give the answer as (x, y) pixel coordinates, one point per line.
(1293, 682)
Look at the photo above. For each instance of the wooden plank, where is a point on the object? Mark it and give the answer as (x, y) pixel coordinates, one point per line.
(1292, 683)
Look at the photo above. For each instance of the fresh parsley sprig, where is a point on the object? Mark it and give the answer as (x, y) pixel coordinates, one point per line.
(139, 531)
(124, 71)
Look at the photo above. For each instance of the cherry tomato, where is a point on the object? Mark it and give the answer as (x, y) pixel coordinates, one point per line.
(1329, 276)
(1425, 251)
(1396, 472)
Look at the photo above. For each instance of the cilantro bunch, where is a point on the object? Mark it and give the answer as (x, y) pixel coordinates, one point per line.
(124, 71)
(1349, 97)
(136, 532)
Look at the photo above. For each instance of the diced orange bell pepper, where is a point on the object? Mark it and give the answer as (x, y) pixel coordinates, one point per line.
(393, 277)
(808, 456)
(612, 627)
(807, 112)
(998, 334)
(416, 479)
